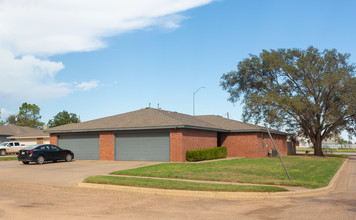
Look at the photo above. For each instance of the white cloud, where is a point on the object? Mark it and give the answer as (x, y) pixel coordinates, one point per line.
(85, 86)
(32, 31)
(4, 114)
(29, 77)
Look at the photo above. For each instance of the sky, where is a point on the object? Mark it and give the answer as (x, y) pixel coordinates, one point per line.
(101, 58)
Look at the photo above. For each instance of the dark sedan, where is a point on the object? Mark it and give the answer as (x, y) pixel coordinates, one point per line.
(44, 152)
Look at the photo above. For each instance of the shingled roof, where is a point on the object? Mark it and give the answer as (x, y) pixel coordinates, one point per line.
(18, 131)
(150, 118)
(234, 126)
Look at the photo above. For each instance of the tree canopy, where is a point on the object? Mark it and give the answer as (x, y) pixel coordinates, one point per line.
(63, 118)
(29, 115)
(307, 91)
(1, 121)
(11, 120)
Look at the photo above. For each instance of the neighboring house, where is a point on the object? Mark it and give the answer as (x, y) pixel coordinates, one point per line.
(303, 142)
(331, 142)
(156, 135)
(25, 135)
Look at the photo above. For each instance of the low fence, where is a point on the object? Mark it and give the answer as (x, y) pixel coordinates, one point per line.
(337, 146)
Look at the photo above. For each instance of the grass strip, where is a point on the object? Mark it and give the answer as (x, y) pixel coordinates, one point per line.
(305, 171)
(347, 150)
(7, 158)
(337, 155)
(179, 185)
(326, 155)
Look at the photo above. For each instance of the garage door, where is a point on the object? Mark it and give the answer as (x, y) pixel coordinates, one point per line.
(85, 147)
(142, 146)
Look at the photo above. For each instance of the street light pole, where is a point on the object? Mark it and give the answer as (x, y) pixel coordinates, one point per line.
(203, 87)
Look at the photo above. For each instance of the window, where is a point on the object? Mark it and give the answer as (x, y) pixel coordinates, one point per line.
(11, 144)
(17, 144)
(54, 148)
(263, 140)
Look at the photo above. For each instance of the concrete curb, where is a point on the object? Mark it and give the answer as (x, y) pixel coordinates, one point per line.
(230, 195)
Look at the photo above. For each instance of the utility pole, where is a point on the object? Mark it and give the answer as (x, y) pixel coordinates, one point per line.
(203, 87)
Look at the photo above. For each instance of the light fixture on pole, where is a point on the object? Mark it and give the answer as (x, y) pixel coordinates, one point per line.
(203, 87)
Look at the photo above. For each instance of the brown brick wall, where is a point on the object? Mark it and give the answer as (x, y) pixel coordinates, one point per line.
(250, 144)
(279, 140)
(182, 140)
(176, 145)
(53, 139)
(107, 145)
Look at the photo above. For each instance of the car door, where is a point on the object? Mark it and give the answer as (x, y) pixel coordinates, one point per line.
(45, 152)
(57, 153)
(10, 148)
(17, 147)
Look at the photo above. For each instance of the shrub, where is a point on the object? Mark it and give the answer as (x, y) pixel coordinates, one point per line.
(206, 154)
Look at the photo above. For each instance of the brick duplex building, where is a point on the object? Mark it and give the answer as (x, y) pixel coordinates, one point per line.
(157, 135)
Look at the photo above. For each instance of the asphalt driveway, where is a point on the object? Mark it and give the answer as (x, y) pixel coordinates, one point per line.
(62, 173)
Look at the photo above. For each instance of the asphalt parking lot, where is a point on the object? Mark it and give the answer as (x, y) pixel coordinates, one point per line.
(62, 173)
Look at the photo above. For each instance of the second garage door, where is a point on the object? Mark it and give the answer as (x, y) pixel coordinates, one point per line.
(152, 146)
(84, 147)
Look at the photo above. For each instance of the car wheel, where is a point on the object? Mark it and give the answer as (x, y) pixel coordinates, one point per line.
(25, 162)
(69, 158)
(40, 160)
(2, 152)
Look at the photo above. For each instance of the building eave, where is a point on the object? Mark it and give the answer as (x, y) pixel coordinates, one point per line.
(164, 127)
(259, 131)
(24, 137)
(135, 128)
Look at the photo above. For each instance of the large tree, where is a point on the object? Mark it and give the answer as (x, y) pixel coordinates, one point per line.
(11, 120)
(29, 115)
(63, 118)
(1, 121)
(309, 91)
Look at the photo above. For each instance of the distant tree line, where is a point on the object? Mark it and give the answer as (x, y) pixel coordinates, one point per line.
(29, 116)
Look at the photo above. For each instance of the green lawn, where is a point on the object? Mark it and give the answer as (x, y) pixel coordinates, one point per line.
(179, 185)
(7, 158)
(309, 172)
(350, 150)
(325, 154)
(337, 155)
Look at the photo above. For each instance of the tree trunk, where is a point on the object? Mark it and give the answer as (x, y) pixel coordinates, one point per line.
(317, 146)
(317, 150)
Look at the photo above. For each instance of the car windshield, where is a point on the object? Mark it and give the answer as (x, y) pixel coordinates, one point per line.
(30, 147)
(4, 144)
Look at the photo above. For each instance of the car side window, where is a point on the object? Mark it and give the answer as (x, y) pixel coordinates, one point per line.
(17, 144)
(43, 148)
(54, 148)
(11, 144)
